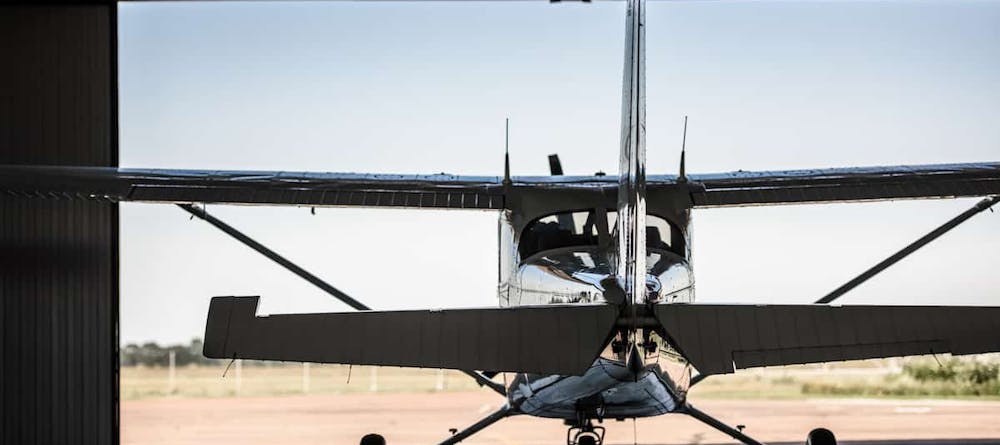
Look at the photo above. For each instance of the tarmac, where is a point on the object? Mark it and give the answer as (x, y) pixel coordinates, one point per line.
(425, 418)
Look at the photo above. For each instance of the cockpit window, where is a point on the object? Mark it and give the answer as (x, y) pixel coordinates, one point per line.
(659, 233)
(580, 229)
(567, 229)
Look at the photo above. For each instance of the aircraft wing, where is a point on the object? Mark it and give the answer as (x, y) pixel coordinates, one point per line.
(446, 191)
(743, 188)
(254, 187)
(544, 339)
(718, 339)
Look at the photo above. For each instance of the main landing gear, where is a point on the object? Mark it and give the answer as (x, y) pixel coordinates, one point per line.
(718, 425)
(458, 436)
(818, 436)
(821, 436)
(372, 439)
(585, 433)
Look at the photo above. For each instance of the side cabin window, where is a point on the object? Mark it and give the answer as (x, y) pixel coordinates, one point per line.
(580, 229)
(568, 229)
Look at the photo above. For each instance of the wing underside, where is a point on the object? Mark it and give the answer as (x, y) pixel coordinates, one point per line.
(254, 187)
(846, 184)
(717, 339)
(444, 191)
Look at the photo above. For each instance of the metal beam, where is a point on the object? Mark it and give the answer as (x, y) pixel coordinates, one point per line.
(482, 380)
(505, 411)
(718, 425)
(697, 379)
(274, 256)
(895, 258)
(913, 247)
(316, 281)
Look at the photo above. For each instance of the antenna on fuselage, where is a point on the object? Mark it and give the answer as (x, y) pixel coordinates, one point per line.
(682, 177)
(506, 153)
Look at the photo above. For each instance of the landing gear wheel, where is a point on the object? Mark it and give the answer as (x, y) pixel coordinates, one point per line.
(372, 439)
(588, 434)
(821, 436)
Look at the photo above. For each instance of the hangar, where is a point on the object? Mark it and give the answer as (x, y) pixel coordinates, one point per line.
(59, 272)
(58, 107)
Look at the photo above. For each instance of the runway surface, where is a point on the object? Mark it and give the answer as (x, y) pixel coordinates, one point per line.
(426, 418)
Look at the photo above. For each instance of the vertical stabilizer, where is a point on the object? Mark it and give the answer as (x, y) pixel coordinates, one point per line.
(631, 233)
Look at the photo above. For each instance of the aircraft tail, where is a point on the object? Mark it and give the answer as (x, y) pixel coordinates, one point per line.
(631, 231)
(560, 339)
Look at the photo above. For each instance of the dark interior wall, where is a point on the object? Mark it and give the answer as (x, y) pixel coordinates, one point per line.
(58, 258)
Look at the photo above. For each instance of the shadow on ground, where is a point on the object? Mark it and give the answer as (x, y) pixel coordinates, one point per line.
(900, 442)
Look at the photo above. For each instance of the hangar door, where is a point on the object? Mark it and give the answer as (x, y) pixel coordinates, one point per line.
(58, 255)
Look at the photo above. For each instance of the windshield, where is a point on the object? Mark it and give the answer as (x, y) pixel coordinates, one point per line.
(582, 229)
(567, 229)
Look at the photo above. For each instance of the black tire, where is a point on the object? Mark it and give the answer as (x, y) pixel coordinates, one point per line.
(372, 439)
(587, 440)
(821, 436)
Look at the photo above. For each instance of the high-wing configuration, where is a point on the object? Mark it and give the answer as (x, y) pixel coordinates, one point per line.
(597, 317)
(444, 191)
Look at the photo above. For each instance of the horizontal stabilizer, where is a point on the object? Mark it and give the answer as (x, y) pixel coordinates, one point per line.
(542, 339)
(717, 339)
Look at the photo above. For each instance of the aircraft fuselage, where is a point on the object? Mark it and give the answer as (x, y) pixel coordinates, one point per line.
(567, 257)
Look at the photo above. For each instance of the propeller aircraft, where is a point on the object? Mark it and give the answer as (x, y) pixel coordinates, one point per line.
(597, 317)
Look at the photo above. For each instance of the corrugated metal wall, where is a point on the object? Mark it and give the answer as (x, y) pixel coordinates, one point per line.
(58, 258)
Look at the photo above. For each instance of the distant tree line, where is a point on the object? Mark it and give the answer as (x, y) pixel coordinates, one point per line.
(152, 354)
(923, 377)
(968, 371)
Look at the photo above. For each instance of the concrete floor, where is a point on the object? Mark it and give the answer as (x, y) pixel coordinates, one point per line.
(426, 418)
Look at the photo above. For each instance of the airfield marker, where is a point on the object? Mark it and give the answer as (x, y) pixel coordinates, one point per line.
(440, 380)
(305, 377)
(171, 374)
(373, 380)
(239, 376)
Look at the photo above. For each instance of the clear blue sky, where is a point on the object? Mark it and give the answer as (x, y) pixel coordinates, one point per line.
(425, 87)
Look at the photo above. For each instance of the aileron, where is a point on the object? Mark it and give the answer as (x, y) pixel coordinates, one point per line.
(847, 184)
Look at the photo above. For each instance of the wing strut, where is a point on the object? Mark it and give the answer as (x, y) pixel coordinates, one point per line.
(496, 416)
(980, 207)
(313, 279)
(274, 256)
(913, 247)
(717, 424)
